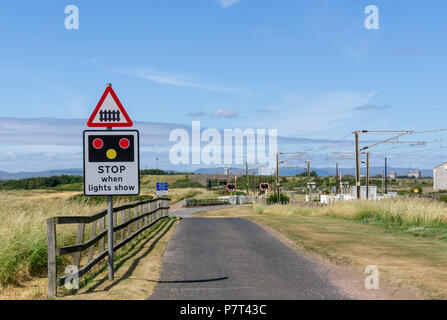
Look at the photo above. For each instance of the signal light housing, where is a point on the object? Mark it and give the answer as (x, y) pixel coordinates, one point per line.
(111, 148)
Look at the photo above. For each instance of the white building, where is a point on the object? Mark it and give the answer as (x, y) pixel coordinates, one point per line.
(415, 174)
(440, 177)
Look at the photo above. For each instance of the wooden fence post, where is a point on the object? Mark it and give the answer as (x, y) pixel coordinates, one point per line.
(129, 227)
(162, 210)
(52, 271)
(92, 248)
(102, 226)
(79, 240)
(146, 219)
(166, 210)
(135, 213)
(123, 220)
(154, 206)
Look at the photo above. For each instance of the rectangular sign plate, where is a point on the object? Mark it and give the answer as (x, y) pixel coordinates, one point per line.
(264, 186)
(162, 189)
(162, 186)
(111, 162)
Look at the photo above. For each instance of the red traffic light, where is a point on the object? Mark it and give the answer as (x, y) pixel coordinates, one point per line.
(98, 143)
(124, 143)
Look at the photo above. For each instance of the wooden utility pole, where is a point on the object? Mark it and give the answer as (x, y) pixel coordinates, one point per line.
(357, 163)
(277, 175)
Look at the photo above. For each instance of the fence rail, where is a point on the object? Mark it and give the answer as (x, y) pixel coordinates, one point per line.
(128, 222)
(205, 202)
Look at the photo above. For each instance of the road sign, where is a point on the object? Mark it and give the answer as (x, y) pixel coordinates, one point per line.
(109, 112)
(311, 185)
(231, 187)
(111, 162)
(264, 186)
(162, 188)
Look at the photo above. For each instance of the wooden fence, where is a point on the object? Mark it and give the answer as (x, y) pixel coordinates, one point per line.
(128, 221)
(205, 202)
(263, 201)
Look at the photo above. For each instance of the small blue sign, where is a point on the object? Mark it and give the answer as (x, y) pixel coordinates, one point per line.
(162, 186)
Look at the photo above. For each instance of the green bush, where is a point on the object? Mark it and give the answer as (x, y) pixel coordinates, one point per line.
(186, 183)
(40, 182)
(273, 198)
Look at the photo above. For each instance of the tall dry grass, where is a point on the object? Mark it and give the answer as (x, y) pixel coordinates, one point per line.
(402, 211)
(23, 243)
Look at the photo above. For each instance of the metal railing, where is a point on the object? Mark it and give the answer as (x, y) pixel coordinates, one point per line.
(128, 220)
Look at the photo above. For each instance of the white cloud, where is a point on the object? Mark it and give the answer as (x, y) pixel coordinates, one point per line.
(49, 132)
(225, 113)
(36, 144)
(315, 114)
(173, 79)
(227, 3)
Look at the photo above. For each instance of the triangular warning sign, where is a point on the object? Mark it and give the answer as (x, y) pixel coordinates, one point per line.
(109, 112)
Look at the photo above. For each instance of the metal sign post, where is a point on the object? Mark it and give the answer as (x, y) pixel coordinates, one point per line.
(110, 235)
(110, 253)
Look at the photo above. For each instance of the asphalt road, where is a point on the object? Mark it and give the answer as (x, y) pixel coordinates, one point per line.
(236, 259)
(188, 212)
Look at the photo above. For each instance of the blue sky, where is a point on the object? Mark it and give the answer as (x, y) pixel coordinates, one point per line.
(308, 68)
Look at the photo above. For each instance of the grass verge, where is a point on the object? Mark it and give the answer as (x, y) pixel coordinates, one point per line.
(137, 268)
(417, 216)
(402, 258)
(23, 243)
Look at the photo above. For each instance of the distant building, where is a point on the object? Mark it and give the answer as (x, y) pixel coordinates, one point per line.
(440, 177)
(372, 192)
(392, 175)
(415, 174)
